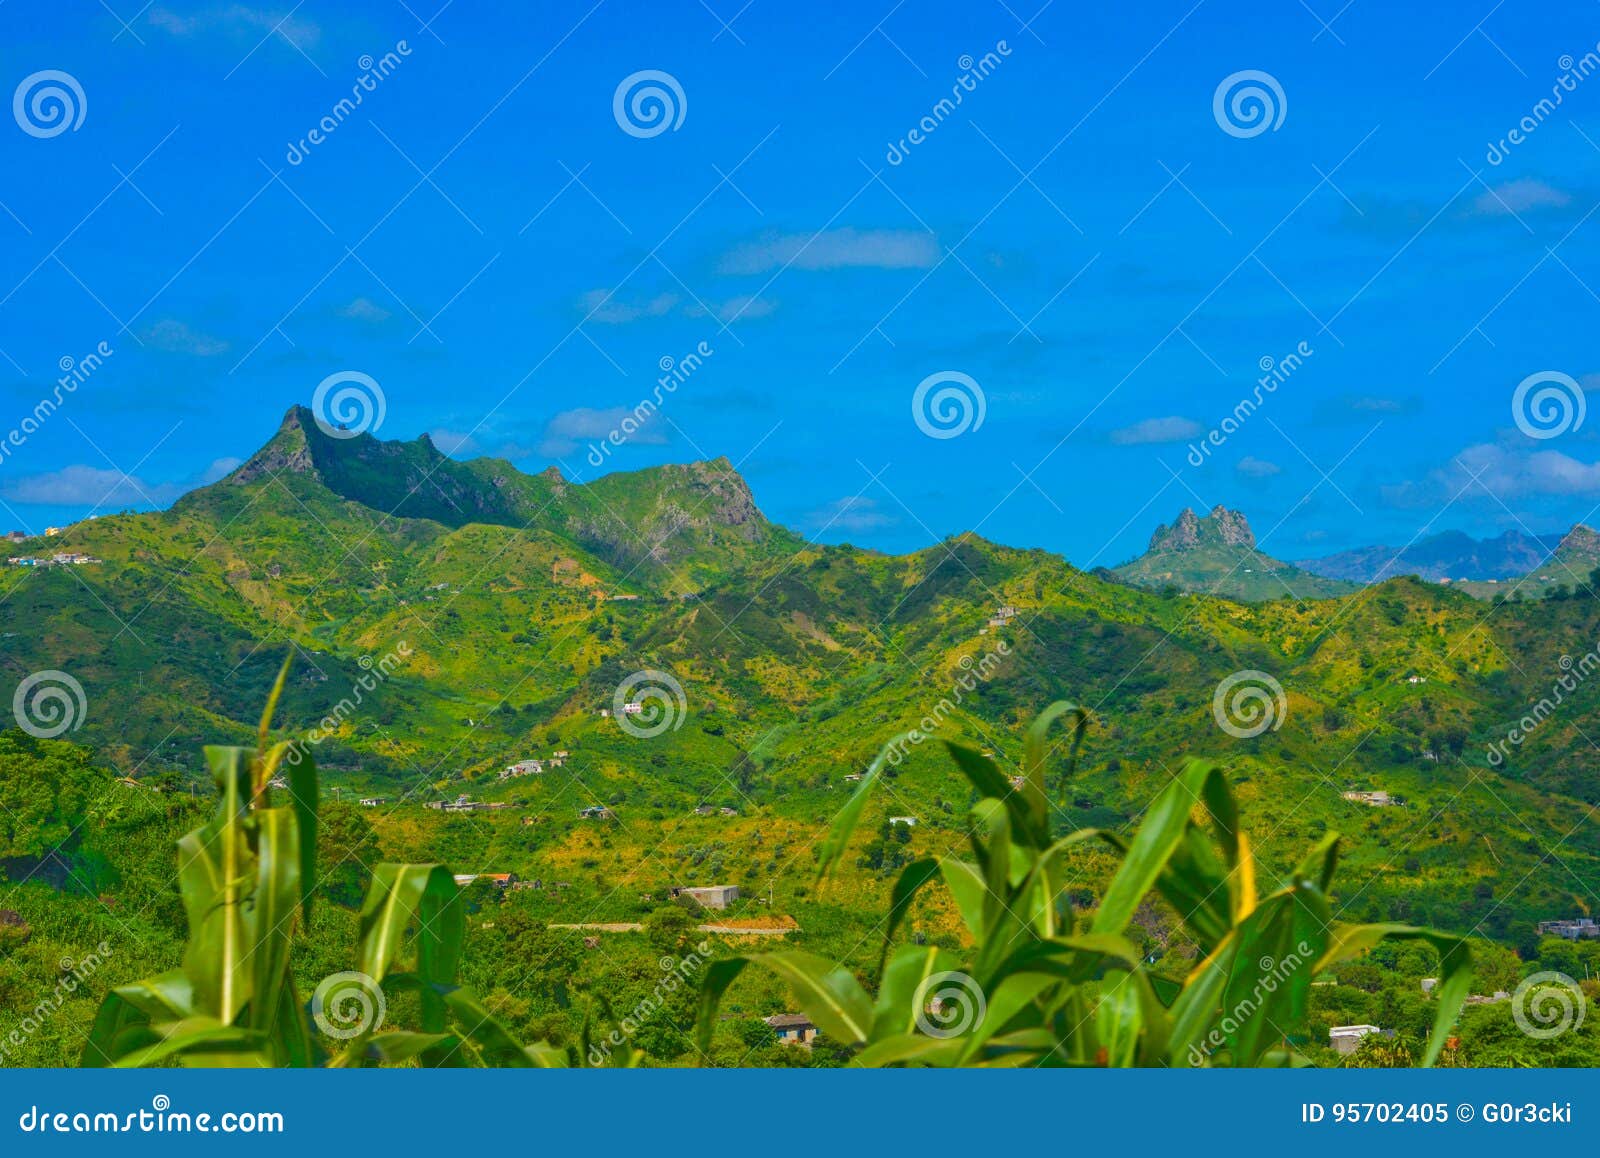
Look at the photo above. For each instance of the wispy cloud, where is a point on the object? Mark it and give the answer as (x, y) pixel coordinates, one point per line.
(1169, 429)
(177, 337)
(602, 306)
(364, 310)
(856, 513)
(571, 428)
(834, 249)
(92, 486)
(236, 21)
(1252, 467)
(1525, 195)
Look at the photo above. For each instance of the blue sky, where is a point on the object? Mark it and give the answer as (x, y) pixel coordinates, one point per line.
(1080, 237)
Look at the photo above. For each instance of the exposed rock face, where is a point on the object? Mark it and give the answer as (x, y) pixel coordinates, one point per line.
(1190, 531)
(288, 450)
(1581, 539)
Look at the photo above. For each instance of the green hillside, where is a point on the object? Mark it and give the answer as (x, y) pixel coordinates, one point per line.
(468, 616)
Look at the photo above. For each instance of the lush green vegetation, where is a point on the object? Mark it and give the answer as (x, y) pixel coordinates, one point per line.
(796, 663)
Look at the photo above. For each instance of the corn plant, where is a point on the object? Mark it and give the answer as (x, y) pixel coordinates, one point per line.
(247, 877)
(1043, 985)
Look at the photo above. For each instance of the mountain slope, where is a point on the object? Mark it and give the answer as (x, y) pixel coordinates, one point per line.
(1216, 555)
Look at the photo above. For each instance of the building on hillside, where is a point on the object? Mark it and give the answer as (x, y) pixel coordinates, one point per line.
(1005, 612)
(632, 709)
(709, 896)
(1347, 1038)
(52, 532)
(852, 777)
(561, 755)
(522, 768)
(1576, 929)
(15, 537)
(705, 810)
(499, 880)
(372, 801)
(464, 803)
(726, 811)
(792, 1028)
(908, 821)
(1375, 799)
(596, 812)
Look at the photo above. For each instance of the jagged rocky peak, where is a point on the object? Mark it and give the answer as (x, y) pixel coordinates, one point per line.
(1581, 538)
(288, 450)
(1189, 531)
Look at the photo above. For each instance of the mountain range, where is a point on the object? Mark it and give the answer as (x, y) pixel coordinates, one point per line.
(452, 618)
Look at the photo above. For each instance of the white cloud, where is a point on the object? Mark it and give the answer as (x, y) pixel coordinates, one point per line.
(601, 306)
(75, 486)
(852, 514)
(834, 249)
(1504, 471)
(1523, 195)
(743, 307)
(1169, 429)
(103, 489)
(177, 337)
(567, 430)
(237, 20)
(1258, 467)
(364, 310)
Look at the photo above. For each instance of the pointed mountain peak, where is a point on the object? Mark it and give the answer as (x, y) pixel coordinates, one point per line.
(1190, 532)
(1581, 538)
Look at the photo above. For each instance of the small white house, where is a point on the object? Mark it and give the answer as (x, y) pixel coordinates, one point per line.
(908, 821)
(1346, 1038)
